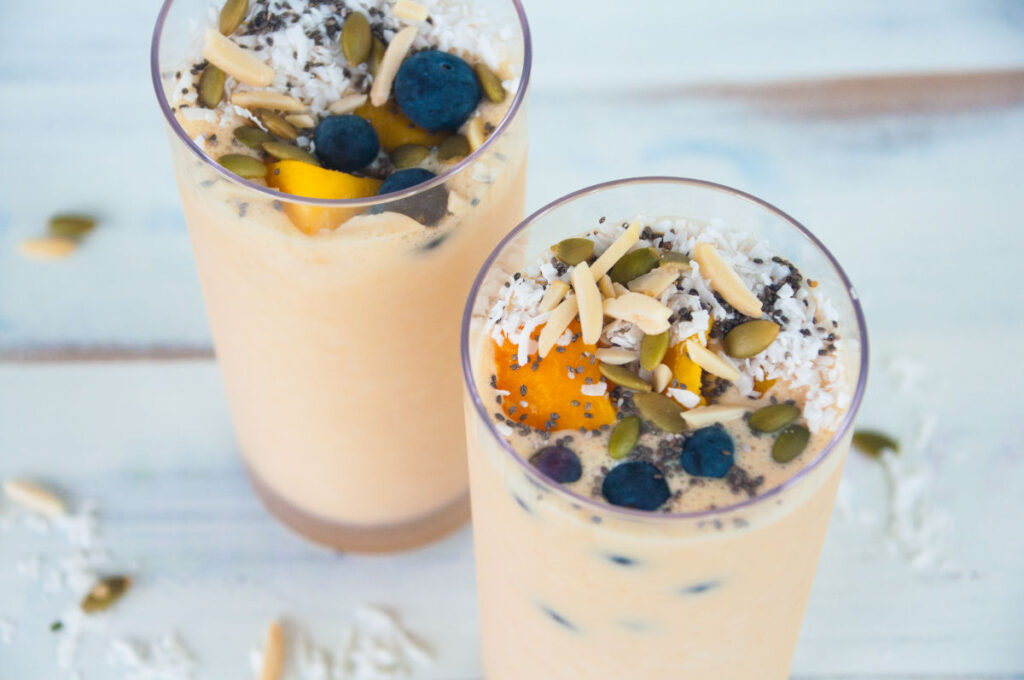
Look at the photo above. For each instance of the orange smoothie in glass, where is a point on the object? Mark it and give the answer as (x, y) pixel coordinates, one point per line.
(658, 411)
(343, 168)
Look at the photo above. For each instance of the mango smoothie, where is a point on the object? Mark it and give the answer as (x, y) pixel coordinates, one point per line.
(343, 169)
(658, 410)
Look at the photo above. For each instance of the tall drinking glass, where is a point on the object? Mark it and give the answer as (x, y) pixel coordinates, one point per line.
(574, 588)
(337, 349)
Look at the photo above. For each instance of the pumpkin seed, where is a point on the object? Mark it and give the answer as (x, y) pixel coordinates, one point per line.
(455, 146)
(376, 55)
(873, 443)
(231, 15)
(252, 137)
(634, 264)
(71, 226)
(211, 86)
(773, 418)
(624, 437)
(663, 411)
(289, 152)
(409, 155)
(652, 350)
(243, 166)
(105, 593)
(790, 443)
(278, 126)
(674, 257)
(572, 251)
(750, 338)
(356, 38)
(490, 83)
(624, 377)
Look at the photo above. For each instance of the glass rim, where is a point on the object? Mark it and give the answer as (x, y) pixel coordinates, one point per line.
(598, 506)
(506, 121)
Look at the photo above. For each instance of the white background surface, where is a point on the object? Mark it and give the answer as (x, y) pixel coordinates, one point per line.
(895, 130)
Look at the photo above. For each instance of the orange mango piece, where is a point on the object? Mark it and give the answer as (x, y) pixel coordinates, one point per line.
(684, 369)
(763, 386)
(548, 389)
(394, 128)
(302, 179)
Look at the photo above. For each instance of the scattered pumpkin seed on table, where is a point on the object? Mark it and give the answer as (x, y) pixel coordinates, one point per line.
(211, 86)
(105, 593)
(356, 38)
(790, 443)
(633, 264)
(71, 226)
(663, 411)
(624, 437)
(572, 251)
(873, 442)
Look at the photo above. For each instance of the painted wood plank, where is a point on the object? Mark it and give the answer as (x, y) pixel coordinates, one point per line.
(151, 442)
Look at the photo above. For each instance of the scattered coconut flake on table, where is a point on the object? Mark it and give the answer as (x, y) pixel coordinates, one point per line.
(164, 659)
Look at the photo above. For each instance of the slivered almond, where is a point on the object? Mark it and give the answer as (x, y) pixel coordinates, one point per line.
(703, 416)
(619, 289)
(654, 282)
(265, 99)
(46, 247)
(647, 313)
(389, 63)
(604, 284)
(616, 356)
(661, 377)
(301, 120)
(410, 11)
(34, 497)
(726, 281)
(553, 295)
(347, 104)
(560, 318)
(616, 250)
(238, 63)
(588, 298)
(711, 362)
(273, 653)
(475, 133)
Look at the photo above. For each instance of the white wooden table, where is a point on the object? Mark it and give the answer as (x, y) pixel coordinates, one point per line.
(895, 130)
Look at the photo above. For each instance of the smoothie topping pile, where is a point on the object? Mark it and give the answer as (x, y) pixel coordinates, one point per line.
(678, 349)
(331, 99)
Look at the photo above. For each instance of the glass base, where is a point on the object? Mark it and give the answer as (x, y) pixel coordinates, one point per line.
(361, 538)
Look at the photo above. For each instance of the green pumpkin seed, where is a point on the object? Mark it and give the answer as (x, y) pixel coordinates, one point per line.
(356, 38)
(620, 375)
(675, 257)
(624, 437)
(634, 264)
(873, 443)
(663, 411)
(278, 126)
(773, 418)
(211, 86)
(409, 155)
(652, 350)
(73, 227)
(791, 443)
(376, 55)
(490, 83)
(289, 152)
(750, 338)
(455, 146)
(231, 15)
(105, 593)
(252, 137)
(243, 166)
(572, 251)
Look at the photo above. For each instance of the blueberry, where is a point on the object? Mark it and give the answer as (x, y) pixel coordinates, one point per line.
(437, 90)
(346, 143)
(636, 484)
(558, 463)
(708, 452)
(426, 208)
